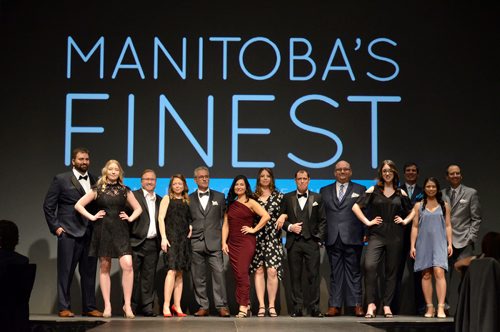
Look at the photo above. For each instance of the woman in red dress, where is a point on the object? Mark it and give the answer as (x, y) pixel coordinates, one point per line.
(238, 236)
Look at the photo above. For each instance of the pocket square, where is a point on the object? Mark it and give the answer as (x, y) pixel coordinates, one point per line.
(215, 203)
(463, 201)
(354, 195)
(315, 203)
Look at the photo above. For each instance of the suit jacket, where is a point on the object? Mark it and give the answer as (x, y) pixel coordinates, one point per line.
(139, 228)
(207, 224)
(465, 215)
(59, 205)
(340, 219)
(316, 212)
(417, 194)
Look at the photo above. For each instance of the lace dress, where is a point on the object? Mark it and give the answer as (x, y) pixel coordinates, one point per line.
(177, 221)
(269, 250)
(110, 237)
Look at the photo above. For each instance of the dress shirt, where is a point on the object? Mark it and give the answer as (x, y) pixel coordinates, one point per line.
(204, 198)
(337, 187)
(85, 183)
(151, 201)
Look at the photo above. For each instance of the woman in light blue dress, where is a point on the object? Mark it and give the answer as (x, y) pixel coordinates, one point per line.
(431, 244)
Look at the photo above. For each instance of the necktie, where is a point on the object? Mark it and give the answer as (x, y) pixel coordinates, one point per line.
(83, 177)
(452, 199)
(301, 195)
(410, 191)
(203, 194)
(341, 193)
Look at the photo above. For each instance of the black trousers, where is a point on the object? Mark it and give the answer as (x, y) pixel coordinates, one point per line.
(144, 262)
(379, 246)
(304, 253)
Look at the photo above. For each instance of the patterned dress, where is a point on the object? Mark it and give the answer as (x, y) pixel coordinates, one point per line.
(269, 250)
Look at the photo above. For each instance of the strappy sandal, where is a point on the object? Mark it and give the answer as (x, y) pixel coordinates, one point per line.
(272, 313)
(261, 312)
(388, 315)
(368, 315)
(241, 314)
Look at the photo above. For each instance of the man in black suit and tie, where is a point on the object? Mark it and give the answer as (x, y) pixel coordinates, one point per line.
(344, 243)
(73, 233)
(415, 192)
(207, 210)
(306, 230)
(145, 245)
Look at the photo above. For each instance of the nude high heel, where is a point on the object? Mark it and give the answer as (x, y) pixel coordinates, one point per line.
(432, 313)
(443, 315)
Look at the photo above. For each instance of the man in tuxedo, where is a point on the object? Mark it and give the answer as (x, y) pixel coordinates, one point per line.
(415, 193)
(207, 210)
(344, 241)
(306, 231)
(145, 245)
(465, 217)
(73, 233)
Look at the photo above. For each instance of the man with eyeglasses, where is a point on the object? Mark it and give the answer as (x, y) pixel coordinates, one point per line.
(145, 242)
(207, 210)
(344, 241)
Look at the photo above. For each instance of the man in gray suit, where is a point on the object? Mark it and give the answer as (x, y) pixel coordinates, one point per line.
(145, 244)
(207, 210)
(465, 220)
(344, 241)
(465, 213)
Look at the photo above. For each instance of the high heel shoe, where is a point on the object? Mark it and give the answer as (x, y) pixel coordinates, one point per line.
(432, 313)
(166, 315)
(175, 312)
(443, 315)
(372, 314)
(128, 315)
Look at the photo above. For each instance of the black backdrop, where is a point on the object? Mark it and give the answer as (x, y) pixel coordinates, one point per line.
(438, 61)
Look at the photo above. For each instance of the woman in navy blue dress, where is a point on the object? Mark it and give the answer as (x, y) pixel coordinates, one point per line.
(431, 244)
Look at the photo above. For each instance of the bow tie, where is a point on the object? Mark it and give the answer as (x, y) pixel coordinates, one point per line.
(83, 177)
(206, 193)
(301, 195)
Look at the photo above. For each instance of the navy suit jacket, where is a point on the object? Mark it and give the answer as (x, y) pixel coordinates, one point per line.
(59, 205)
(316, 211)
(417, 194)
(139, 228)
(341, 221)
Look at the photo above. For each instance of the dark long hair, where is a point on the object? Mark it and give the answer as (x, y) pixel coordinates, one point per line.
(395, 179)
(185, 196)
(439, 194)
(231, 195)
(258, 187)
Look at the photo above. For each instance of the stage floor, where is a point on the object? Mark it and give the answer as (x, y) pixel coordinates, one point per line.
(251, 324)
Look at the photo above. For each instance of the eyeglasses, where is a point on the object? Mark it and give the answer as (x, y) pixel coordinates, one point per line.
(345, 169)
(387, 171)
(202, 177)
(148, 179)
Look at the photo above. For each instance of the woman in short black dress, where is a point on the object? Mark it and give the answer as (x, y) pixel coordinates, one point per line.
(174, 220)
(110, 238)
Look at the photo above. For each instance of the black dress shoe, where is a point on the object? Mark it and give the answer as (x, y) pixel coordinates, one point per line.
(297, 313)
(149, 314)
(317, 313)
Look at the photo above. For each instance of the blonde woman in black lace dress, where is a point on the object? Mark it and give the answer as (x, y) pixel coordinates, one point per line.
(110, 238)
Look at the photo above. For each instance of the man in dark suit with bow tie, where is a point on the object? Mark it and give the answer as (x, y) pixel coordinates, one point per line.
(73, 233)
(145, 245)
(207, 210)
(344, 243)
(306, 231)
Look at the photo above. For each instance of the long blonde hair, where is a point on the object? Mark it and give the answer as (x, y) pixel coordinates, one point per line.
(103, 181)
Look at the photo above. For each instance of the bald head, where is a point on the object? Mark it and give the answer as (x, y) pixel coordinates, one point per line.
(343, 172)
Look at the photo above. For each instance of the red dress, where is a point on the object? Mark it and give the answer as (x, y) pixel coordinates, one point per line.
(241, 249)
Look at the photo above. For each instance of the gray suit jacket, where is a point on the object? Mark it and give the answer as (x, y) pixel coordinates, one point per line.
(465, 215)
(207, 224)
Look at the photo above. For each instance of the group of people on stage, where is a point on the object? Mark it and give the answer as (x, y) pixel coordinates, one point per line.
(103, 219)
